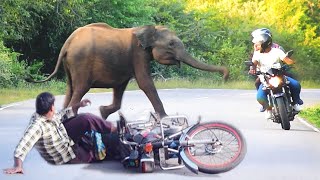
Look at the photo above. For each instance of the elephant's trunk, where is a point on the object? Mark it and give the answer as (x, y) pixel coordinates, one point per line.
(205, 67)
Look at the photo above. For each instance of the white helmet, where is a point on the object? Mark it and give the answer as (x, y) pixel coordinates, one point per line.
(264, 39)
(260, 31)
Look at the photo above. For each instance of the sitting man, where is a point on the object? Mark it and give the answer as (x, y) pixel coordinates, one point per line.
(56, 135)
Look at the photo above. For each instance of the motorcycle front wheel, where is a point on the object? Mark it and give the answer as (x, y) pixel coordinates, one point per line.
(285, 123)
(225, 151)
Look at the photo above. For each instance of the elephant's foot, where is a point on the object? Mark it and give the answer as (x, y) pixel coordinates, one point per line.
(162, 114)
(104, 112)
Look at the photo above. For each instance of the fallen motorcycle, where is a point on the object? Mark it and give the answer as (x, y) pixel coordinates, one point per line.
(171, 143)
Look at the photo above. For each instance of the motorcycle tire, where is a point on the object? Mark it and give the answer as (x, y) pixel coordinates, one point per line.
(285, 123)
(226, 151)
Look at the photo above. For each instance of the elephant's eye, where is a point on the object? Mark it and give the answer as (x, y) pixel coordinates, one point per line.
(171, 43)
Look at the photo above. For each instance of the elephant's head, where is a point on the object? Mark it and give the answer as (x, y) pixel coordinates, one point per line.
(168, 49)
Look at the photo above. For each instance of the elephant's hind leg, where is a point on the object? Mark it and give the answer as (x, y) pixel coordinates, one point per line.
(105, 111)
(67, 97)
(69, 89)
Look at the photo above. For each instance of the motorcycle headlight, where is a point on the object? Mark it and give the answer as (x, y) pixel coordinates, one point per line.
(274, 81)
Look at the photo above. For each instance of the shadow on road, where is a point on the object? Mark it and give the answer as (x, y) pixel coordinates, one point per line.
(115, 167)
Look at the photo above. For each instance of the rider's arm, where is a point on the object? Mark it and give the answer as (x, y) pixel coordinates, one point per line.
(288, 61)
(17, 168)
(254, 63)
(32, 134)
(72, 111)
(283, 56)
(82, 103)
(253, 70)
(30, 137)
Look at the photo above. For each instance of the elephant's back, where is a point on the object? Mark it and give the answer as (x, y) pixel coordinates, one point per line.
(99, 25)
(101, 35)
(99, 48)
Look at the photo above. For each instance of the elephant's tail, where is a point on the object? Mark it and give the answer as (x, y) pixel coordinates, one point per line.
(62, 54)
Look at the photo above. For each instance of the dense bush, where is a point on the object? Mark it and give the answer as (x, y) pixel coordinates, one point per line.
(11, 71)
(214, 31)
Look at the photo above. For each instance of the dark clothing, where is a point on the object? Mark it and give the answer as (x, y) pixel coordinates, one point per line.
(49, 136)
(77, 127)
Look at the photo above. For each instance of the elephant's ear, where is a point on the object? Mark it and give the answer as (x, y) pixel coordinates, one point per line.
(145, 36)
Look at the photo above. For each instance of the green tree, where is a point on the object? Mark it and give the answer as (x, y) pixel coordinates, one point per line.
(38, 29)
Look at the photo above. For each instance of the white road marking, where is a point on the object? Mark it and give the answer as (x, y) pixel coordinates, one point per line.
(308, 124)
(9, 105)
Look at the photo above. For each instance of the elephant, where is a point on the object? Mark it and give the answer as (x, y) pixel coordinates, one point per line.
(100, 56)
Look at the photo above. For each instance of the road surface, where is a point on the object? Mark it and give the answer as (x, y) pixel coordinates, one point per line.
(272, 152)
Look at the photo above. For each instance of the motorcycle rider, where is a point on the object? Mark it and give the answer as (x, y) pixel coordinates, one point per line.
(263, 58)
(255, 33)
(260, 31)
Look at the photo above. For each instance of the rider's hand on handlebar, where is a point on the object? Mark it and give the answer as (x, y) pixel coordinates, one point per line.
(252, 71)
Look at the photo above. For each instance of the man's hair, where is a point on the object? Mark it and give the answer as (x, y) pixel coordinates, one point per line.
(44, 103)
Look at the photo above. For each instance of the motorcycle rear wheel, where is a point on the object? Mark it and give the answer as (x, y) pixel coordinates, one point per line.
(226, 151)
(285, 123)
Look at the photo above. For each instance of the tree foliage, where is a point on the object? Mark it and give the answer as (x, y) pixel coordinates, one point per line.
(213, 31)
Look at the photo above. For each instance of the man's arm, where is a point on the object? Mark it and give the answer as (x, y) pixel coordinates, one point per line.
(288, 61)
(254, 67)
(30, 137)
(284, 57)
(83, 103)
(70, 112)
(17, 168)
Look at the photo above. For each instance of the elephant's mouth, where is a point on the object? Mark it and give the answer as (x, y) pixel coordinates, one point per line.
(178, 63)
(170, 61)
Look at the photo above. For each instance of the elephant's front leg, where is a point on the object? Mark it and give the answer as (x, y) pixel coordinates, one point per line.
(147, 85)
(105, 111)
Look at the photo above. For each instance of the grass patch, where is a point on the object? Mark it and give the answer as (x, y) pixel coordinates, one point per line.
(203, 84)
(312, 114)
(308, 84)
(25, 91)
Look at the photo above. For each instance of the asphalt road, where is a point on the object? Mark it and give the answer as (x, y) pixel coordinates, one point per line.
(272, 152)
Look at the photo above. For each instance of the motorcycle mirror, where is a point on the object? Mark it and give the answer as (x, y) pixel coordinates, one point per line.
(248, 63)
(289, 53)
(276, 66)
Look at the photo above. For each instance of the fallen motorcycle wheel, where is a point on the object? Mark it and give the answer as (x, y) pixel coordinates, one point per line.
(226, 151)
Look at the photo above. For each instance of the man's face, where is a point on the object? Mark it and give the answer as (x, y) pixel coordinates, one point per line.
(51, 112)
(257, 46)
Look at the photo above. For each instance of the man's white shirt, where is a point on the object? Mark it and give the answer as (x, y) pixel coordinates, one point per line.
(266, 60)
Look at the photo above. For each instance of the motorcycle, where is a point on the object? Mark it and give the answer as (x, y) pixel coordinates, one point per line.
(275, 82)
(171, 143)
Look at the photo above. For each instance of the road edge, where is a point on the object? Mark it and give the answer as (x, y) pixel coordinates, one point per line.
(305, 122)
(10, 105)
